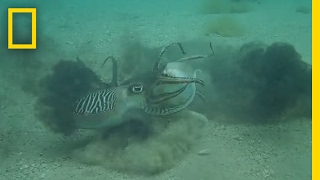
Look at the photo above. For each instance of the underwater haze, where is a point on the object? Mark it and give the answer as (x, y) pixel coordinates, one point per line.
(250, 121)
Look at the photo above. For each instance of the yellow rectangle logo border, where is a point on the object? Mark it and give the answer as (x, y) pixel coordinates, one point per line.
(315, 90)
(33, 12)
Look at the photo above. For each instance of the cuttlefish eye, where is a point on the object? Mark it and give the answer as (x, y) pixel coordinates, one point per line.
(137, 88)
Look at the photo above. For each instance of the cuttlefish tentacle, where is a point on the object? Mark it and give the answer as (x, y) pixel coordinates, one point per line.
(170, 108)
(167, 79)
(114, 81)
(157, 63)
(202, 96)
(194, 57)
(165, 96)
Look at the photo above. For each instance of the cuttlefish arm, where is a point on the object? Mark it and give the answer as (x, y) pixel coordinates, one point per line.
(176, 80)
(169, 79)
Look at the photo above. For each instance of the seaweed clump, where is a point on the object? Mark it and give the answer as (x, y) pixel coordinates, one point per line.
(59, 91)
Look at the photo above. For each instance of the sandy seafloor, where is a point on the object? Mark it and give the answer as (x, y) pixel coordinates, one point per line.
(279, 151)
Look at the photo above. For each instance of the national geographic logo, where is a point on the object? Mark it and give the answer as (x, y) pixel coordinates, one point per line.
(33, 44)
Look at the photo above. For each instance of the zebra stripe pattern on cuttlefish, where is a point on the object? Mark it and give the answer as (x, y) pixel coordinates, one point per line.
(104, 108)
(97, 102)
(101, 108)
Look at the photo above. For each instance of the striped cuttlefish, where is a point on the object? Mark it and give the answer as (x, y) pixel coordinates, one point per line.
(166, 90)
